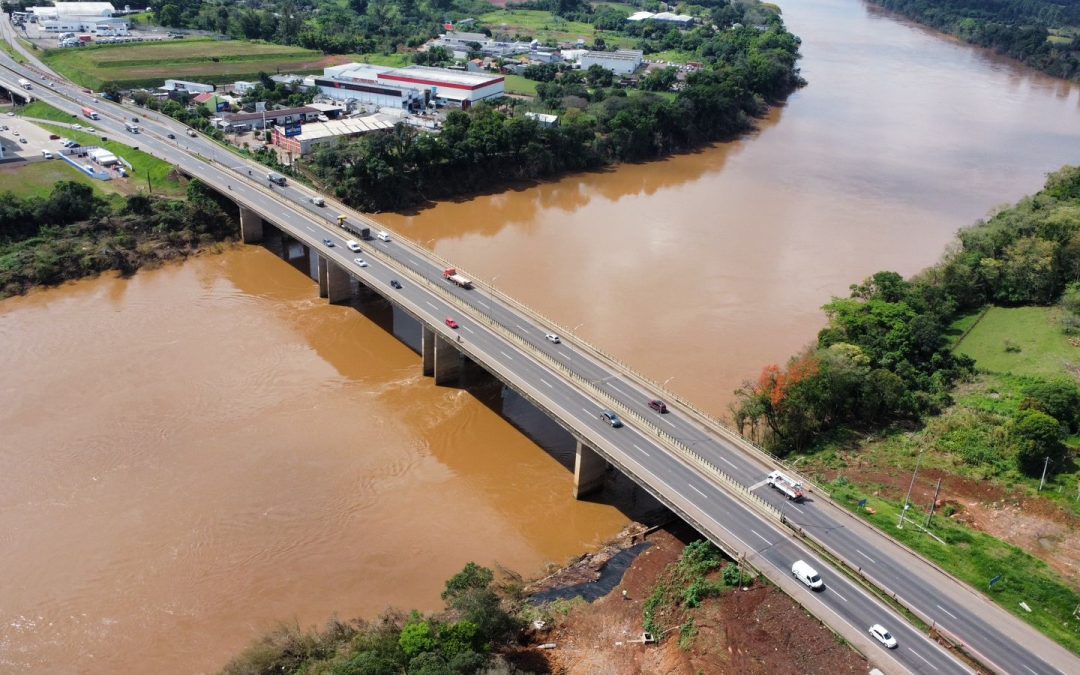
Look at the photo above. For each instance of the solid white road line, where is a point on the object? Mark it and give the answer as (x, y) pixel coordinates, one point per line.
(761, 537)
(506, 355)
(947, 612)
(840, 596)
(923, 658)
(699, 492)
(866, 556)
(546, 383)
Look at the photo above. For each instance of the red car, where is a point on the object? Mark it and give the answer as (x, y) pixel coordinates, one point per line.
(658, 405)
(450, 322)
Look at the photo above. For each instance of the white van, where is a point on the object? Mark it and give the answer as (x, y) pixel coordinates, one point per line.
(383, 235)
(352, 245)
(806, 574)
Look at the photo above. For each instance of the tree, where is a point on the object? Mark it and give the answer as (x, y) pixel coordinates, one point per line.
(471, 577)
(169, 15)
(1037, 437)
(417, 636)
(1058, 398)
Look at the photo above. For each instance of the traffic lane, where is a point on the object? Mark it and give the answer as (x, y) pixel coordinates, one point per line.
(946, 612)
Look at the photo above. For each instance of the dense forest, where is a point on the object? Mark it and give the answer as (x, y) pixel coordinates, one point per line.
(1040, 33)
(72, 233)
(600, 121)
(884, 355)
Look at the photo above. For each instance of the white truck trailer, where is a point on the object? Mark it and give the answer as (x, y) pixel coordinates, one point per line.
(792, 489)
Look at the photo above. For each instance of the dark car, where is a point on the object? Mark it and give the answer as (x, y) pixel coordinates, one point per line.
(53, 137)
(172, 136)
(394, 283)
(328, 243)
(658, 405)
(611, 418)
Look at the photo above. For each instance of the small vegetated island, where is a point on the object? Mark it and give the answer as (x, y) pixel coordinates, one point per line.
(703, 75)
(1040, 33)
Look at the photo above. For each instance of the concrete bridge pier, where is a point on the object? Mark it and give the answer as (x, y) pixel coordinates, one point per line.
(589, 471)
(334, 283)
(251, 226)
(440, 357)
(427, 350)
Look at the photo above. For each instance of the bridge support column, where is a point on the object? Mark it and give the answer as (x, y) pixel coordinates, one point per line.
(589, 471)
(323, 273)
(251, 226)
(338, 283)
(427, 349)
(448, 361)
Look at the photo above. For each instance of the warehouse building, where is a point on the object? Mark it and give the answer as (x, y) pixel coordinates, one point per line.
(621, 62)
(314, 134)
(411, 88)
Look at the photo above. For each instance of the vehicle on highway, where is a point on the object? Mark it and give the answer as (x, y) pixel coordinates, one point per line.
(191, 132)
(806, 574)
(611, 418)
(883, 636)
(328, 243)
(276, 178)
(658, 405)
(172, 137)
(394, 283)
(76, 127)
(383, 235)
(23, 140)
(360, 262)
(352, 245)
(135, 119)
(450, 322)
(318, 201)
(553, 338)
(792, 489)
(451, 275)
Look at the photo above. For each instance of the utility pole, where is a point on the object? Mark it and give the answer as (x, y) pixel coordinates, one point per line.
(1042, 481)
(907, 499)
(933, 504)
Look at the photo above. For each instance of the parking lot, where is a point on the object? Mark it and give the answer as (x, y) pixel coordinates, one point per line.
(24, 140)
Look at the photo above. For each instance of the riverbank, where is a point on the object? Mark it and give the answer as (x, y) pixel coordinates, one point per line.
(73, 233)
(1038, 34)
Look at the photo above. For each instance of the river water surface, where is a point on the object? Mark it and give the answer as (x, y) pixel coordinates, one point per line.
(196, 452)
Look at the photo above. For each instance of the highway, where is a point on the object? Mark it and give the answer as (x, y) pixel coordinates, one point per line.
(572, 381)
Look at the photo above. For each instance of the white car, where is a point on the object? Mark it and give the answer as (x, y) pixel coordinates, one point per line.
(883, 636)
(553, 338)
(353, 245)
(10, 114)
(318, 201)
(360, 262)
(76, 127)
(14, 133)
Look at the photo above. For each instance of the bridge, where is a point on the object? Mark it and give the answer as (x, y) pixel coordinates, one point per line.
(704, 472)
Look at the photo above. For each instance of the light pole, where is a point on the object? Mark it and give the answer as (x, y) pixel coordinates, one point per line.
(574, 329)
(491, 289)
(663, 385)
(907, 499)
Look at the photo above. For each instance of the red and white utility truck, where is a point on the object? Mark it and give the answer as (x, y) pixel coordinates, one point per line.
(792, 489)
(451, 275)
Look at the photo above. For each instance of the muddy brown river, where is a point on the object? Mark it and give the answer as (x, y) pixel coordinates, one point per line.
(192, 454)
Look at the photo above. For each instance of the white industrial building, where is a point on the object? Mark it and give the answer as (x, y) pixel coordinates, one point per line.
(681, 20)
(190, 87)
(413, 87)
(63, 10)
(621, 62)
(80, 17)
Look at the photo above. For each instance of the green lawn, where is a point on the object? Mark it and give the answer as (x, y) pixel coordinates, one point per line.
(43, 111)
(148, 64)
(673, 56)
(544, 25)
(1021, 341)
(516, 84)
(391, 60)
(36, 179)
(977, 558)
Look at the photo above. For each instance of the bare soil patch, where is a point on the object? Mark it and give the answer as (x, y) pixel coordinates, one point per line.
(759, 630)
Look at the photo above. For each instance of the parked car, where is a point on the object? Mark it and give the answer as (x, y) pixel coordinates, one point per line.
(450, 322)
(394, 283)
(328, 243)
(553, 338)
(360, 262)
(52, 137)
(658, 405)
(883, 636)
(23, 140)
(611, 418)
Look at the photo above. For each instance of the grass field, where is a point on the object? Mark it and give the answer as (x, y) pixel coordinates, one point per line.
(148, 64)
(43, 111)
(391, 60)
(516, 84)
(37, 179)
(977, 558)
(544, 25)
(1034, 338)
